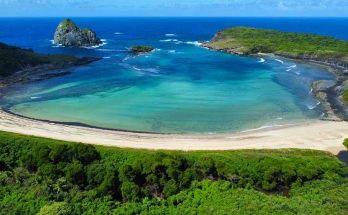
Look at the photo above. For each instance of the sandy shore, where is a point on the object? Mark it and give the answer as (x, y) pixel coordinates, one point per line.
(320, 135)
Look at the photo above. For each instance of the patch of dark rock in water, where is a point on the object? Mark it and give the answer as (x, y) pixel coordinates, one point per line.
(54, 75)
(141, 49)
(323, 85)
(68, 34)
(343, 156)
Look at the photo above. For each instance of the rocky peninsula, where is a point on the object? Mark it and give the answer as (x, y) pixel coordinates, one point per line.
(327, 51)
(19, 65)
(68, 34)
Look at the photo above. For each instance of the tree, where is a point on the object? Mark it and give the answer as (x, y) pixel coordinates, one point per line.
(130, 191)
(60, 153)
(84, 153)
(56, 208)
(75, 173)
(170, 188)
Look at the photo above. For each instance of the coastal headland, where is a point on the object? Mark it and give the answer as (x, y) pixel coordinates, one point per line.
(314, 49)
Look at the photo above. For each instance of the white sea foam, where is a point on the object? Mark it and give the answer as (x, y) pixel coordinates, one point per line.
(55, 45)
(262, 128)
(196, 43)
(126, 58)
(169, 40)
(136, 68)
(261, 60)
(291, 67)
(104, 42)
(107, 57)
(118, 33)
(111, 50)
(151, 70)
(310, 92)
(311, 107)
(280, 61)
(146, 70)
(171, 51)
(170, 35)
(35, 97)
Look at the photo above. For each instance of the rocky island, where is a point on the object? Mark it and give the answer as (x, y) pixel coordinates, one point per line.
(23, 65)
(322, 50)
(68, 34)
(141, 49)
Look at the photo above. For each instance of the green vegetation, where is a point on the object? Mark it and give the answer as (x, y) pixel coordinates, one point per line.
(68, 23)
(141, 49)
(345, 143)
(345, 97)
(45, 176)
(251, 41)
(13, 59)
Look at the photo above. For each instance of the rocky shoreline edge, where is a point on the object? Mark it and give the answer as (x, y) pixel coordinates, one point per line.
(329, 93)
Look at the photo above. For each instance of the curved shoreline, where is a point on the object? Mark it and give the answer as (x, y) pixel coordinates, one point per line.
(317, 135)
(334, 108)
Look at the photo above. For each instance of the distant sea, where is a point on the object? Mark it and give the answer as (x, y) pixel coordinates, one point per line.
(178, 88)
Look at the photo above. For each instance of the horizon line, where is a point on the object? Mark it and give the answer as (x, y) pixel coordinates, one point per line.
(174, 16)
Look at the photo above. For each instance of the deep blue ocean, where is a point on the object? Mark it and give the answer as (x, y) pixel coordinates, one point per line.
(180, 87)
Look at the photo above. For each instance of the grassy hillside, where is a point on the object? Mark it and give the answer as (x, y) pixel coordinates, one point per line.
(13, 59)
(251, 41)
(46, 176)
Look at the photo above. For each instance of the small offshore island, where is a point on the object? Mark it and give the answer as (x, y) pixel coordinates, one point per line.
(68, 34)
(310, 48)
(141, 49)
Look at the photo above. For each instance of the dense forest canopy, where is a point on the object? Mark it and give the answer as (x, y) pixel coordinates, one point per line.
(251, 41)
(45, 176)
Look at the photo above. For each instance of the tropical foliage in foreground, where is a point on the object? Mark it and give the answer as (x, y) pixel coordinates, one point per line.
(252, 41)
(43, 176)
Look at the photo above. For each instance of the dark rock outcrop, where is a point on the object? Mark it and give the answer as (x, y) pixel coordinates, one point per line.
(141, 49)
(68, 34)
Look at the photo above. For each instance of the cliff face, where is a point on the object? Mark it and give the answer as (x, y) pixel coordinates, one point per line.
(68, 34)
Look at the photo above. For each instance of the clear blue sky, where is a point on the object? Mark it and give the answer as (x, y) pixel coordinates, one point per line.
(63, 8)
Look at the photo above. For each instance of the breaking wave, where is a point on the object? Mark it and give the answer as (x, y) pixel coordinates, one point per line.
(261, 60)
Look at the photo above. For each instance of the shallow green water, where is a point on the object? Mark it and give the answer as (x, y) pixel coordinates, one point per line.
(175, 93)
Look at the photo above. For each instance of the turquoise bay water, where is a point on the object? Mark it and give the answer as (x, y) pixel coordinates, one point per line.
(179, 88)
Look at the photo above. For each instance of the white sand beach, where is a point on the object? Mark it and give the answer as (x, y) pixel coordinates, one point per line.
(319, 135)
